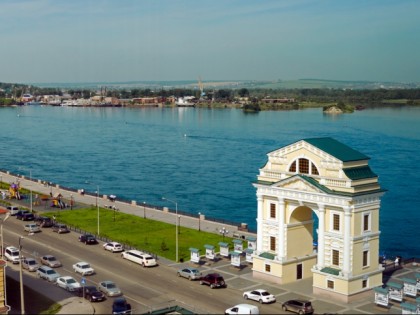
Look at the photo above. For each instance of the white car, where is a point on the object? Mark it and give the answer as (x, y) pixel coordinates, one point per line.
(261, 296)
(68, 283)
(32, 228)
(114, 247)
(83, 268)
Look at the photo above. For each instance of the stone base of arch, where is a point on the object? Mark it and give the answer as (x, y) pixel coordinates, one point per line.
(282, 272)
(344, 289)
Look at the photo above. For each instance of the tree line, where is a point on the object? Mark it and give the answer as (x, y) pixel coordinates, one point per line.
(318, 95)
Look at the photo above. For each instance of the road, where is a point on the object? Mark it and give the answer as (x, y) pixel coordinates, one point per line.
(145, 288)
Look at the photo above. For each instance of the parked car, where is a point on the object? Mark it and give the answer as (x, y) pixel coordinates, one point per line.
(91, 293)
(114, 247)
(214, 280)
(298, 306)
(47, 273)
(121, 306)
(83, 268)
(44, 222)
(13, 210)
(12, 254)
(261, 296)
(32, 228)
(50, 261)
(189, 273)
(243, 309)
(30, 263)
(25, 215)
(140, 258)
(109, 288)
(68, 283)
(60, 228)
(88, 239)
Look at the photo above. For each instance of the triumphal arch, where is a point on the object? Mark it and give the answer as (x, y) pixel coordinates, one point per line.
(318, 217)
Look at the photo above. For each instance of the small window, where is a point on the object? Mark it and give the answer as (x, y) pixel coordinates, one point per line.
(268, 268)
(330, 284)
(314, 170)
(336, 222)
(364, 283)
(272, 210)
(272, 243)
(366, 222)
(365, 258)
(335, 257)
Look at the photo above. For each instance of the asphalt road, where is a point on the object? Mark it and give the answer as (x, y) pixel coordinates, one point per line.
(145, 288)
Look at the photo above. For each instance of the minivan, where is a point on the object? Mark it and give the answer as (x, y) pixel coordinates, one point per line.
(243, 309)
(12, 253)
(13, 210)
(298, 306)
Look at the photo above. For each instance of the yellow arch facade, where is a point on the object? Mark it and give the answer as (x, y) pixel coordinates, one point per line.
(319, 180)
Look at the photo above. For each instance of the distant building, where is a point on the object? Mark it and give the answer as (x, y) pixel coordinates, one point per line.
(324, 179)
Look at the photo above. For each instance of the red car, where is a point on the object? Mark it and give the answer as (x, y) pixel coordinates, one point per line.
(214, 280)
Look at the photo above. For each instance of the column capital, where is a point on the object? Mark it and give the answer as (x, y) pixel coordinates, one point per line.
(321, 207)
(280, 200)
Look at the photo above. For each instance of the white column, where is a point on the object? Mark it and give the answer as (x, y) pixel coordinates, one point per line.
(321, 238)
(281, 245)
(347, 233)
(259, 223)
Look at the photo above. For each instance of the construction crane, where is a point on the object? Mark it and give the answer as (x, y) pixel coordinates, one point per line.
(201, 87)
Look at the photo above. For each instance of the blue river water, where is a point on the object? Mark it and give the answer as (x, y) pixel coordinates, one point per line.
(205, 160)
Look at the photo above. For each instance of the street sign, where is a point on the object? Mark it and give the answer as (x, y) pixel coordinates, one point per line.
(83, 281)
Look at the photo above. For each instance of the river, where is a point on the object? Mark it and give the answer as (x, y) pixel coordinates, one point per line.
(205, 160)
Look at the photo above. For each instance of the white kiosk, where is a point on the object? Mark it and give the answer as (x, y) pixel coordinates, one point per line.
(408, 308)
(418, 281)
(410, 287)
(395, 291)
(210, 252)
(195, 255)
(248, 254)
(235, 258)
(238, 246)
(224, 249)
(381, 296)
(252, 242)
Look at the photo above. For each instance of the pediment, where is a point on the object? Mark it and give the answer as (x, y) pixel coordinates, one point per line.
(299, 183)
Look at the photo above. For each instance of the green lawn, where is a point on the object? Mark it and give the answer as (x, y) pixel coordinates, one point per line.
(144, 234)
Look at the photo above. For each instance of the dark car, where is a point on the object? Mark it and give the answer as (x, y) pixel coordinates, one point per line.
(88, 239)
(44, 222)
(121, 306)
(60, 228)
(214, 280)
(91, 293)
(25, 215)
(298, 306)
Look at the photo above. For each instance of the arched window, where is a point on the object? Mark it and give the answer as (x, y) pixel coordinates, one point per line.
(304, 167)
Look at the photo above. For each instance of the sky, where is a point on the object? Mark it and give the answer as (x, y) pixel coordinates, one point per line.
(157, 40)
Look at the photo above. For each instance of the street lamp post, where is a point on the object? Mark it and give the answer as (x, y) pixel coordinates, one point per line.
(144, 209)
(176, 226)
(1, 233)
(199, 219)
(22, 298)
(97, 205)
(223, 231)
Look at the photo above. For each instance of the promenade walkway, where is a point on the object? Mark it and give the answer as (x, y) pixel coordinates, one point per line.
(238, 278)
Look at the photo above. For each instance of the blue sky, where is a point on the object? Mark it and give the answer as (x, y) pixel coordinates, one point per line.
(133, 40)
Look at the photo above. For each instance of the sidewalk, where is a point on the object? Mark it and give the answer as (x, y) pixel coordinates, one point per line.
(76, 305)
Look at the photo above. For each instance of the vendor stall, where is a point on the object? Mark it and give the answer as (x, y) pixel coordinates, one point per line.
(381, 296)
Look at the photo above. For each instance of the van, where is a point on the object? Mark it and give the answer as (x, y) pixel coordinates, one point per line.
(139, 257)
(243, 309)
(12, 254)
(13, 210)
